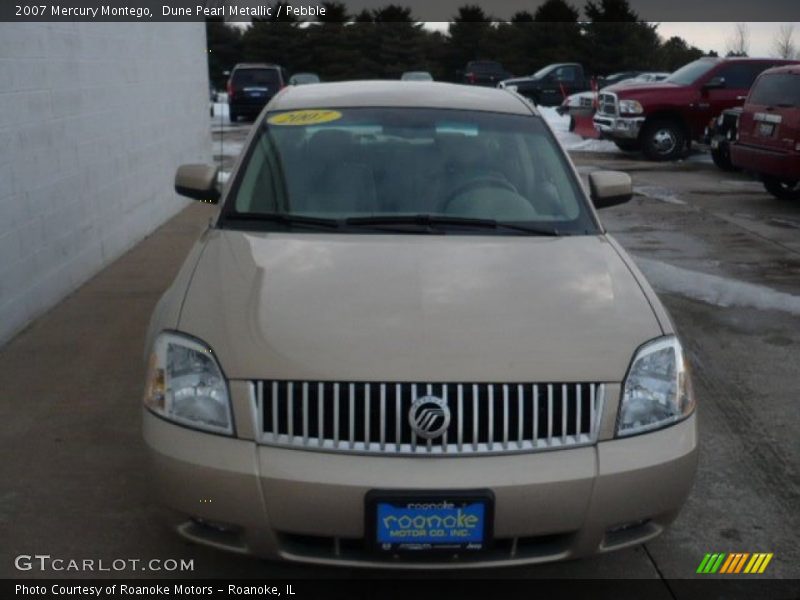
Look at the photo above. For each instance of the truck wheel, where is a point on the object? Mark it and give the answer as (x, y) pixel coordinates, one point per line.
(781, 189)
(628, 145)
(663, 139)
(721, 155)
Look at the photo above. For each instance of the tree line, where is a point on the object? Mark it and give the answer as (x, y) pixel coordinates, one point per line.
(385, 42)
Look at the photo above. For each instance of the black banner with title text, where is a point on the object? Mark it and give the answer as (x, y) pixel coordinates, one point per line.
(422, 10)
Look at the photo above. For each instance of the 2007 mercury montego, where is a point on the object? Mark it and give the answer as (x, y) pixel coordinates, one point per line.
(407, 340)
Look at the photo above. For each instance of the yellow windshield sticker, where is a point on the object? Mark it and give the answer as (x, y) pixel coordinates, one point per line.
(305, 117)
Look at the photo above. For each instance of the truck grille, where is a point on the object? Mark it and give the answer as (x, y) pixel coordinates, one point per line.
(374, 418)
(607, 104)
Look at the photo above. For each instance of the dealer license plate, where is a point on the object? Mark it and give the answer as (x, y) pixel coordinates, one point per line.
(416, 522)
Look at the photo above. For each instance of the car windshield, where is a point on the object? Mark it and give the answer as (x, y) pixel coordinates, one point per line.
(777, 89)
(542, 72)
(255, 77)
(300, 78)
(692, 72)
(326, 167)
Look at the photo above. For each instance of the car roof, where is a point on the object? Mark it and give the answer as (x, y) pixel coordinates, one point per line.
(433, 94)
(793, 68)
(256, 66)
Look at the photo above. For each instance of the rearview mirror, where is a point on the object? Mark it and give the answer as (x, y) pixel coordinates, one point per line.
(609, 188)
(198, 182)
(715, 83)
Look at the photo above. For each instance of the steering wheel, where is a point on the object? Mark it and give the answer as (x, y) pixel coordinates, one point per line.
(481, 181)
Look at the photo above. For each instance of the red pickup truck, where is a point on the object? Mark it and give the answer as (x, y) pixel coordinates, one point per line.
(662, 119)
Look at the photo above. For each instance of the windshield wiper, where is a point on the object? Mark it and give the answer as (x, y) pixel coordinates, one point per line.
(432, 221)
(284, 219)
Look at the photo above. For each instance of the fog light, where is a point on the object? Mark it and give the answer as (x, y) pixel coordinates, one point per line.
(628, 526)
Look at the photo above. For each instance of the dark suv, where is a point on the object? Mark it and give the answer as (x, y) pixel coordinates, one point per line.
(251, 86)
(768, 142)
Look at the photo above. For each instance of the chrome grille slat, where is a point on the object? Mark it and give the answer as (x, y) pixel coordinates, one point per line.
(521, 415)
(505, 417)
(460, 417)
(351, 429)
(320, 413)
(290, 409)
(383, 417)
(607, 104)
(490, 407)
(305, 413)
(564, 414)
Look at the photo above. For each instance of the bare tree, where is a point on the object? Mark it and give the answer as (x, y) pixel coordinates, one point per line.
(738, 44)
(783, 46)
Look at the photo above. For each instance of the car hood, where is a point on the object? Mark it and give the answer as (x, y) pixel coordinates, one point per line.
(624, 90)
(515, 80)
(416, 308)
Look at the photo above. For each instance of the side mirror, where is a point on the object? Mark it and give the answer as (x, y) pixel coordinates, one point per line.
(715, 83)
(198, 182)
(609, 188)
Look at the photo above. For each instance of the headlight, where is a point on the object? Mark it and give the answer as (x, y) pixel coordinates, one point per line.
(186, 385)
(513, 88)
(657, 390)
(630, 107)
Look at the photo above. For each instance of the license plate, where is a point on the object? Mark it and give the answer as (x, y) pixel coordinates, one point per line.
(420, 522)
(766, 129)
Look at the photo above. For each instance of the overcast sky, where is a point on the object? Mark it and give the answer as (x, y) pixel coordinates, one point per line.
(712, 36)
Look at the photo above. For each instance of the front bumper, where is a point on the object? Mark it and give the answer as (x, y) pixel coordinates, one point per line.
(309, 506)
(783, 165)
(626, 128)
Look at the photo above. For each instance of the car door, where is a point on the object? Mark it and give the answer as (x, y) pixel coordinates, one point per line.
(556, 85)
(723, 88)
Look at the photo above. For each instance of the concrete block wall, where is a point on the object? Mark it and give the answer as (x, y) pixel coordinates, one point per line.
(94, 120)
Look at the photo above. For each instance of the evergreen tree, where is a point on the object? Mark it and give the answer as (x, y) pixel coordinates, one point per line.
(276, 40)
(615, 40)
(469, 38)
(675, 52)
(224, 50)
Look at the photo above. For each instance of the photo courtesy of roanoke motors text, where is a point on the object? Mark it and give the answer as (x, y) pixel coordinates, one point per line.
(370, 299)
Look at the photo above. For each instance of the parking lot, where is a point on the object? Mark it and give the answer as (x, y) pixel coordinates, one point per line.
(723, 254)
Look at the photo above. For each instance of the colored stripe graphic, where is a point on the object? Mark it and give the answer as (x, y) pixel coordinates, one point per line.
(734, 563)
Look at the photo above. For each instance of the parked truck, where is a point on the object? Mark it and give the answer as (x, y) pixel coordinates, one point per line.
(550, 85)
(662, 119)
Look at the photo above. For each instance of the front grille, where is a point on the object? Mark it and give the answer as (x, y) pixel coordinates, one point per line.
(607, 104)
(485, 418)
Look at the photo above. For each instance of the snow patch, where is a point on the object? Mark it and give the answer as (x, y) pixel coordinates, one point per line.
(714, 289)
(220, 110)
(572, 141)
(658, 193)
